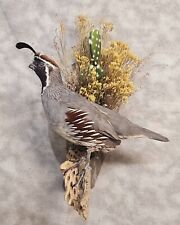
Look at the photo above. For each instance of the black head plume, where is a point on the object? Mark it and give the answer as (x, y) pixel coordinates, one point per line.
(21, 45)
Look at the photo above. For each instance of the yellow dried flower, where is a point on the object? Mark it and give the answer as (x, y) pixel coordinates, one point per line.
(92, 98)
(118, 64)
(116, 86)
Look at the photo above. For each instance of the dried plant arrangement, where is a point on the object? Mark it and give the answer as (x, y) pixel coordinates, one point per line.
(102, 71)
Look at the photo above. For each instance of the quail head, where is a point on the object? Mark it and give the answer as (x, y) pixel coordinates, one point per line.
(75, 118)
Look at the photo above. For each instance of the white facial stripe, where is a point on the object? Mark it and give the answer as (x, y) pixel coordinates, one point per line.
(47, 78)
(50, 64)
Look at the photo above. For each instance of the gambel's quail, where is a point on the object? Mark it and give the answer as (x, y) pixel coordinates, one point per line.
(75, 118)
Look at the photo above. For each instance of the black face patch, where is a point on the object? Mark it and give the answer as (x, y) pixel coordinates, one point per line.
(40, 69)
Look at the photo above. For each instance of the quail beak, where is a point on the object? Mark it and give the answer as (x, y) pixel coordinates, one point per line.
(32, 66)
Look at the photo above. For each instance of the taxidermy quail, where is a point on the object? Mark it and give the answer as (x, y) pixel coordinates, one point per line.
(75, 118)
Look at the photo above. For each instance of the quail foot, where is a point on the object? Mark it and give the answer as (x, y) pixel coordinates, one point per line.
(78, 120)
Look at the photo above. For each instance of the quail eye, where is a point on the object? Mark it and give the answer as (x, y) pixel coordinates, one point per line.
(38, 62)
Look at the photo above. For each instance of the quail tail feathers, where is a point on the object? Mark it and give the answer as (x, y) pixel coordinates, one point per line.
(143, 132)
(127, 129)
